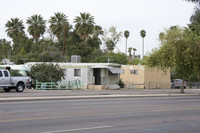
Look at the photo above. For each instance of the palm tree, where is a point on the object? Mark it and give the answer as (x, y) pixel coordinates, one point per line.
(57, 23)
(129, 50)
(143, 34)
(36, 26)
(14, 27)
(134, 49)
(126, 35)
(98, 30)
(84, 25)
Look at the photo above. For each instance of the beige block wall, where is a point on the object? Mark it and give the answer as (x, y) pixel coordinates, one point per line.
(156, 78)
(127, 77)
(146, 77)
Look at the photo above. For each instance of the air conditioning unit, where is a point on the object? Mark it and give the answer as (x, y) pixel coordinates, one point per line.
(75, 59)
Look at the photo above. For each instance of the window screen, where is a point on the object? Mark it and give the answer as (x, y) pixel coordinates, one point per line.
(77, 72)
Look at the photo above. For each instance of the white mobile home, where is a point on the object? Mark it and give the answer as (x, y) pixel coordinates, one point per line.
(92, 75)
(21, 68)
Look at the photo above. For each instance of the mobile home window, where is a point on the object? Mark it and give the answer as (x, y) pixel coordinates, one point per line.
(131, 72)
(64, 72)
(77, 72)
(135, 72)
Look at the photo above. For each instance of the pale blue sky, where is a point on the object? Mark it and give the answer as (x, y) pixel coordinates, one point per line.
(133, 15)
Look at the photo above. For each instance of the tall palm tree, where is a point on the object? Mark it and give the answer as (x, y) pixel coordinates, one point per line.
(143, 34)
(14, 26)
(126, 35)
(36, 26)
(57, 23)
(84, 25)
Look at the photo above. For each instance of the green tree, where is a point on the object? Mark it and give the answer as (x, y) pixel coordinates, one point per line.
(134, 61)
(194, 38)
(94, 41)
(143, 34)
(119, 58)
(175, 53)
(22, 52)
(195, 18)
(126, 35)
(14, 26)
(20, 41)
(46, 72)
(111, 38)
(89, 52)
(36, 26)
(5, 49)
(51, 54)
(84, 25)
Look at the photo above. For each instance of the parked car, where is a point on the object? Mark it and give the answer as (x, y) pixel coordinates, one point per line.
(18, 83)
(177, 83)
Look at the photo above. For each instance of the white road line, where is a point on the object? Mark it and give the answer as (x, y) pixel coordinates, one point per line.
(78, 129)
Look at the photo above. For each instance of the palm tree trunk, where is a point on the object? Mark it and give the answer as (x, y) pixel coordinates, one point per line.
(64, 45)
(142, 48)
(126, 48)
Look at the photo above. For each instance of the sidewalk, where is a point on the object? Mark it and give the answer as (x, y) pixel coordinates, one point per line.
(30, 94)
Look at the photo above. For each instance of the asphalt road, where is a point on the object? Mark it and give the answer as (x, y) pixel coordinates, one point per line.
(115, 115)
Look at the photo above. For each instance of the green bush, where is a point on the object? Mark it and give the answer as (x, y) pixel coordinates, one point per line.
(46, 72)
(120, 83)
(15, 73)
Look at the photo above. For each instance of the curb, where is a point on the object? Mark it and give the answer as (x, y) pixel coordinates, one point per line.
(89, 97)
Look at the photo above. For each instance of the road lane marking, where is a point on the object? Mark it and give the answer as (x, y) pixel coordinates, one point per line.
(77, 129)
(5, 112)
(102, 114)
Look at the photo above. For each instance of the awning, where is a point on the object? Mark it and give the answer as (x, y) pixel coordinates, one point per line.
(115, 70)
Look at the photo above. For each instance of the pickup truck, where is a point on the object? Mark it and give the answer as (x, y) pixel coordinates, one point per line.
(18, 83)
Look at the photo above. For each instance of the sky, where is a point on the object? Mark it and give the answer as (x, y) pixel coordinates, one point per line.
(153, 16)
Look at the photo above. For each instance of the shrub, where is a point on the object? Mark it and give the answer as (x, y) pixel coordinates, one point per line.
(15, 73)
(46, 72)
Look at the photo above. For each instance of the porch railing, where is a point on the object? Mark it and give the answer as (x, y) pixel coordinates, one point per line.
(76, 84)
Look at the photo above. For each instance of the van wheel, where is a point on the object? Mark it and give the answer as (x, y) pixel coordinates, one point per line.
(20, 87)
(7, 89)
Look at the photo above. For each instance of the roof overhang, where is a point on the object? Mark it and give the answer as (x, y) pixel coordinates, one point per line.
(98, 66)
